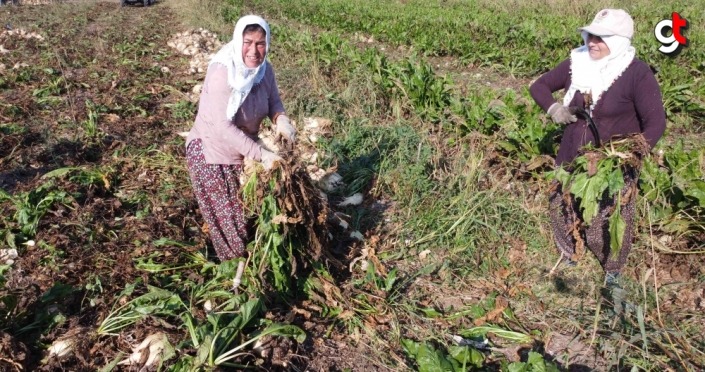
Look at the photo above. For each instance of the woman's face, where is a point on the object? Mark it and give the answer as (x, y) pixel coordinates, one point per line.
(597, 47)
(254, 48)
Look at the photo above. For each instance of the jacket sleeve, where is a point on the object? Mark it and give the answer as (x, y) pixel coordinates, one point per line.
(542, 89)
(649, 106)
(214, 101)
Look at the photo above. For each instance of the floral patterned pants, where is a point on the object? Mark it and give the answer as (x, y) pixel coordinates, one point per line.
(216, 187)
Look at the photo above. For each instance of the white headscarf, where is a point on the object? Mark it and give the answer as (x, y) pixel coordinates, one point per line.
(240, 77)
(594, 77)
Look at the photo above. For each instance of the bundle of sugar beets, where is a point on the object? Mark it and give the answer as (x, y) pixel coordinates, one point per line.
(292, 229)
(597, 172)
(630, 150)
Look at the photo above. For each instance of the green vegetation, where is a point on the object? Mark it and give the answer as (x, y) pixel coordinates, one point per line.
(504, 35)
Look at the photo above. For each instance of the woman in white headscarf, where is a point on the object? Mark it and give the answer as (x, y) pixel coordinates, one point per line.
(239, 92)
(622, 96)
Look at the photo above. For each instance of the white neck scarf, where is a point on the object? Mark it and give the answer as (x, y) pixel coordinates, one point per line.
(594, 77)
(240, 77)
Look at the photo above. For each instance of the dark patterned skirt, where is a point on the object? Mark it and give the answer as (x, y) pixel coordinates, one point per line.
(572, 236)
(217, 187)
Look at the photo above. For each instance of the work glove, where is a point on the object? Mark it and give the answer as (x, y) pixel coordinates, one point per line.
(269, 159)
(285, 129)
(560, 114)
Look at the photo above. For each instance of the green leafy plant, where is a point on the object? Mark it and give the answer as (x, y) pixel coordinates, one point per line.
(430, 359)
(599, 173)
(272, 254)
(47, 313)
(183, 109)
(675, 189)
(51, 93)
(509, 335)
(98, 178)
(31, 206)
(535, 363)
(155, 301)
(90, 124)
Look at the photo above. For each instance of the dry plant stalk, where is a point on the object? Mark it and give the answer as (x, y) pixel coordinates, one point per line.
(630, 148)
(304, 208)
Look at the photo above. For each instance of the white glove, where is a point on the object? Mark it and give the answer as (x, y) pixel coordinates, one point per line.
(269, 159)
(285, 129)
(560, 114)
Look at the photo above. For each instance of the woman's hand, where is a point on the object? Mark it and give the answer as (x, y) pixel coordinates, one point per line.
(269, 159)
(285, 129)
(560, 114)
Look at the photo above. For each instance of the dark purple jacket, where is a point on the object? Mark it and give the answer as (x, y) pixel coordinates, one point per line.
(632, 104)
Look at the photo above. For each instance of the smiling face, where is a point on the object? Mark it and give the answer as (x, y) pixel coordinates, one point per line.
(254, 48)
(597, 47)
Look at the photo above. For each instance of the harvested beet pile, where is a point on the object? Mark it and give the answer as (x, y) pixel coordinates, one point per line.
(599, 172)
(294, 232)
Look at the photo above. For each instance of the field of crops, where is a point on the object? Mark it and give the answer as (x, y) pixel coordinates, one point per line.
(445, 264)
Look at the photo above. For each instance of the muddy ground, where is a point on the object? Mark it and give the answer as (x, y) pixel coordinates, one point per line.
(94, 85)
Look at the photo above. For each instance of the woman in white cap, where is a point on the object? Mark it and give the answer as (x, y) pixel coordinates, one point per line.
(238, 93)
(623, 97)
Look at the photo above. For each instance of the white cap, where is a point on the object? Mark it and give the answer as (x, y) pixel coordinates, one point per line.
(609, 22)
